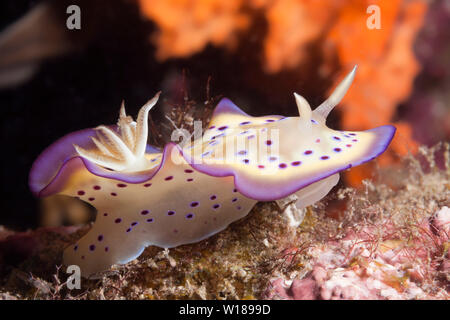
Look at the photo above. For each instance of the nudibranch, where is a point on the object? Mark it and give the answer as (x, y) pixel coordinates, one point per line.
(183, 194)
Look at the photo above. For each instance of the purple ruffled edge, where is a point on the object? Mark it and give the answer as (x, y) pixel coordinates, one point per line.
(225, 105)
(385, 134)
(45, 180)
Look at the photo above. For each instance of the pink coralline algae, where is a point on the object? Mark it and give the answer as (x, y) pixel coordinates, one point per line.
(370, 265)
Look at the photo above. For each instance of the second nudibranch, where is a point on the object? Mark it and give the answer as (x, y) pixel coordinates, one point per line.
(182, 195)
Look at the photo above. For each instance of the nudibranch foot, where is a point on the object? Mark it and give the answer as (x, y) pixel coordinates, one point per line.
(184, 194)
(128, 220)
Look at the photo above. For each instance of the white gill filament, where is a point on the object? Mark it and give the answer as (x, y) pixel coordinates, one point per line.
(103, 149)
(124, 124)
(123, 151)
(142, 126)
(325, 108)
(102, 160)
(133, 132)
(106, 144)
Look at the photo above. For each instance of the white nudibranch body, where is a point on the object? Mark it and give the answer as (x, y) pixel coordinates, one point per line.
(168, 198)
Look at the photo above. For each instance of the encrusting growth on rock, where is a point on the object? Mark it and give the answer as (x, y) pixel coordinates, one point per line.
(261, 256)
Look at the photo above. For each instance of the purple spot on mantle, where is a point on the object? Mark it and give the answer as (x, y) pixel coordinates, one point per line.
(100, 238)
(168, 178)
(189, 180)
(189, 216)
(269, 142)
(121, 185)
(213, 197)
(216, 206)
(147, 185)
(336, 138)
(188, 171)
(246, 161)
(234, 200)
(324, 157)
(113, 194)
(222, 128)
(129, 229)
(244, 123)
(170, 212)
(118, 220)
(308, 152)
(92, 247)
(282, 165)
(150, 220)
(97, 187)
(75, 248)
(81, 192)
(270, 120)
(134, 224)
(194, 204)
(145, 212)
(296, 163)
(91, 199)
(337, 149)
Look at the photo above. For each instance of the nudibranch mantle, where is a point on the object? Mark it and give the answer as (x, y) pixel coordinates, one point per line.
(182, 195)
